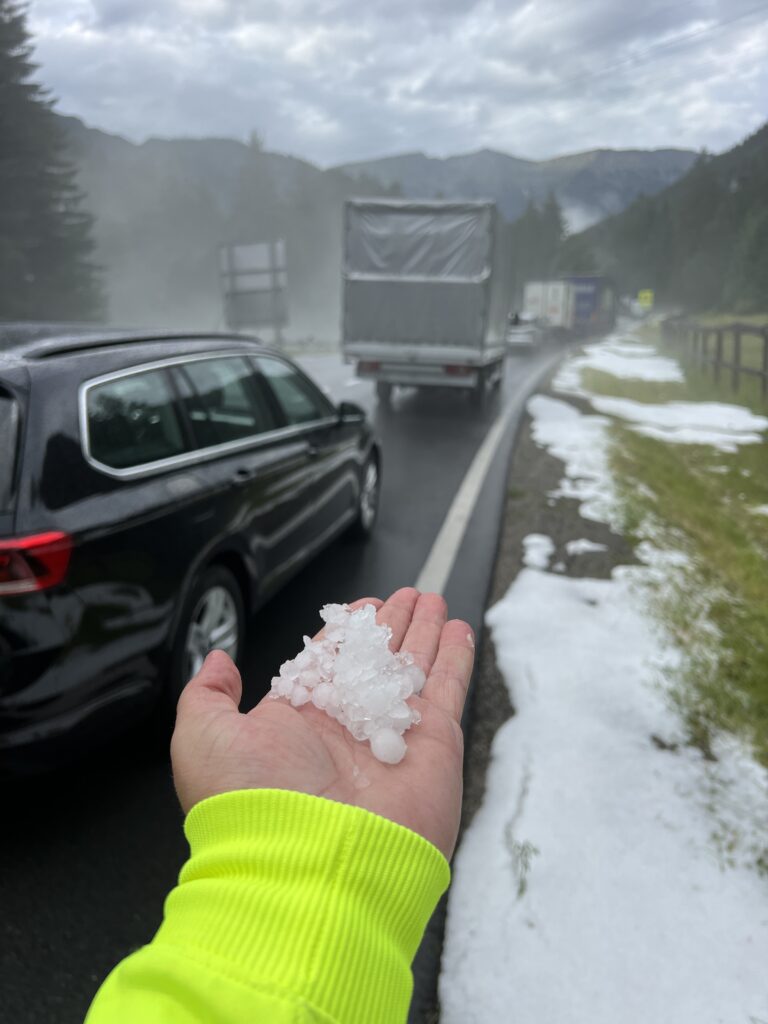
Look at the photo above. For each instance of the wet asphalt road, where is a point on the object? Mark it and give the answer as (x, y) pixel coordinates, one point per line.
(88, 854)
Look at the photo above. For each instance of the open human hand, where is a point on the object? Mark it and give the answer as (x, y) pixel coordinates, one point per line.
(215, 748)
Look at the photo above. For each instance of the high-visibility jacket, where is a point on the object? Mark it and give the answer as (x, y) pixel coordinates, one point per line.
(291, 908)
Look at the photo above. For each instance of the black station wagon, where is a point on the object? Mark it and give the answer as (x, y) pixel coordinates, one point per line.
(154, 490)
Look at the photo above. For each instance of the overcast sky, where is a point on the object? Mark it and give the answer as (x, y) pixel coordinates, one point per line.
(342, 80)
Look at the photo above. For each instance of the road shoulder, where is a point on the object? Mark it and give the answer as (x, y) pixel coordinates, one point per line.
(528, 509)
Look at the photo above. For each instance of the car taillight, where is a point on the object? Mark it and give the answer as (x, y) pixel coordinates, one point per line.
(33, 563)
(368, 367)
(459, 371)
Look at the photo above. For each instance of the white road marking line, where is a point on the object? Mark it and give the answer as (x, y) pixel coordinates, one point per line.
(437, 568)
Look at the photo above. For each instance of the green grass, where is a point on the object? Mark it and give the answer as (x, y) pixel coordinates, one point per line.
(716, 608)
(700, 500)
(700, 384)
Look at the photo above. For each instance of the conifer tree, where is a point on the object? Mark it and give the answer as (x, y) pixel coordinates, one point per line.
(46, 269)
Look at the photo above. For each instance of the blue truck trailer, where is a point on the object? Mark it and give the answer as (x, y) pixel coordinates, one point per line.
(594, 303)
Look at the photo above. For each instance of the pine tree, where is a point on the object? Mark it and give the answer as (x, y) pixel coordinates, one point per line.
(46, 270)
(553, 231)
(576, 256)
(534, 241)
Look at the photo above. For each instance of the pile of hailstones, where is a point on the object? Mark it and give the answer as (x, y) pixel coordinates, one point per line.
(352, 675)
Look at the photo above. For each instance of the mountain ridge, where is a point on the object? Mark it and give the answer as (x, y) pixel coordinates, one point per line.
(163, 207)
(589, 185)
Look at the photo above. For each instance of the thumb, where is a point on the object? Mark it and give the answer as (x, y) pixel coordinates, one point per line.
(216, 686)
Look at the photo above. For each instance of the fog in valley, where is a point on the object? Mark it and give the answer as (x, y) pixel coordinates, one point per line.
(162, 210)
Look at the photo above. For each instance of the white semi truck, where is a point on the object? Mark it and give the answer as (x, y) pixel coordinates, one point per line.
(550, 304)
(425, 294)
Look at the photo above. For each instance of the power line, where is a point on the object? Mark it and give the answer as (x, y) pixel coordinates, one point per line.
(652, 51)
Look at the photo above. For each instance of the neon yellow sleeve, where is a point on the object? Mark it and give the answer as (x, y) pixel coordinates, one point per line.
(291, 908)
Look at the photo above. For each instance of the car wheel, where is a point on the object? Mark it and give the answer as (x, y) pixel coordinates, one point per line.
(213, 619)
(367, 501)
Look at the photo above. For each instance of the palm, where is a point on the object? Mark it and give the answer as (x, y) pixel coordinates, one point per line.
(216, 749)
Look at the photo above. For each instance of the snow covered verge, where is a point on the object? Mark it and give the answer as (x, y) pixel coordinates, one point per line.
(612, 872)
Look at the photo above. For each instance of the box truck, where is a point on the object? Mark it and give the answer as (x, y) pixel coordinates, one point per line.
(549, 303)
(426, 293)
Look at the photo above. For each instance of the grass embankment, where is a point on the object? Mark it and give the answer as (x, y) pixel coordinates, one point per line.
(703, 501)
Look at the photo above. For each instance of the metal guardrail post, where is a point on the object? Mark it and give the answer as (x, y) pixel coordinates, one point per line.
(718, 352)
(736, 372)
(694, 337)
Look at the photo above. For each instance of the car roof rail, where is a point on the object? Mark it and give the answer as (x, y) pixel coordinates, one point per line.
(66, 341)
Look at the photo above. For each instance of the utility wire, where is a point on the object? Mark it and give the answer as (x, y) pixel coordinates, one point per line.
(652, 51)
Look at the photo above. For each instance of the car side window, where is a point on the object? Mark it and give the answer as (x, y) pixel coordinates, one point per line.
(132, 420)
(299, 399)
(223, 401)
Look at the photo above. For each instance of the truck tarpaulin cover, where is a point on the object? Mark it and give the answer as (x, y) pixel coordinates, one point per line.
(417, 272)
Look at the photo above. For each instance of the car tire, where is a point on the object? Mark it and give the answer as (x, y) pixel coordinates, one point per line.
(367, 501)
(213, 618)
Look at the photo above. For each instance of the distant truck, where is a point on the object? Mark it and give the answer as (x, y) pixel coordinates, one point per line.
(550, 304)
(594, 304)
(425, 294)
(571, 305)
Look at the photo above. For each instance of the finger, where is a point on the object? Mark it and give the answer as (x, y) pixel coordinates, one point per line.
(217, 683)
(360, 603)
(447, 684)
(397, 612)
(423, 637)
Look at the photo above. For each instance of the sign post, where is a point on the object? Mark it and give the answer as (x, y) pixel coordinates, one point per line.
(253, 283)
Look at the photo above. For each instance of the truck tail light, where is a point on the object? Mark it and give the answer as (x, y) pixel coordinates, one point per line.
(33, 563)
(459, 371)
(368, 367)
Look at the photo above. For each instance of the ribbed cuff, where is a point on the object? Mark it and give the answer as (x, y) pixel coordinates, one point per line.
(307, 896)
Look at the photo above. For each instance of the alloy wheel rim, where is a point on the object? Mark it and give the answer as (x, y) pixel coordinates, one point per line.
(369, 495)
(213, 626)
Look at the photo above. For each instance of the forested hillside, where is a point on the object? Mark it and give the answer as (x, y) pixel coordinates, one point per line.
(588, 186)
(703, 242)
(163, 207)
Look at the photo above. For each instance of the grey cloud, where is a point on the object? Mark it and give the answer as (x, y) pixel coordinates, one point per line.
(344, 80)
(109, 13)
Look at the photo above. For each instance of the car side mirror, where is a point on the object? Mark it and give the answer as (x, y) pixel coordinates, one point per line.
(349, 412)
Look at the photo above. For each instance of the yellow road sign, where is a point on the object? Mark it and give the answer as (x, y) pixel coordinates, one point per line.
(645, 298)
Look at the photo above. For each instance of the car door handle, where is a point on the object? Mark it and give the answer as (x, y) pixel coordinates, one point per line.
(312, 451)
(242, 475)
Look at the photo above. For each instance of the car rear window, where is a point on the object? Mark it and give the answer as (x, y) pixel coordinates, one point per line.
(132, 420)
(9, 433)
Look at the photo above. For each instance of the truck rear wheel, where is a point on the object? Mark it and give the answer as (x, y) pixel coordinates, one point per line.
(479, 394)
(384, 392)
